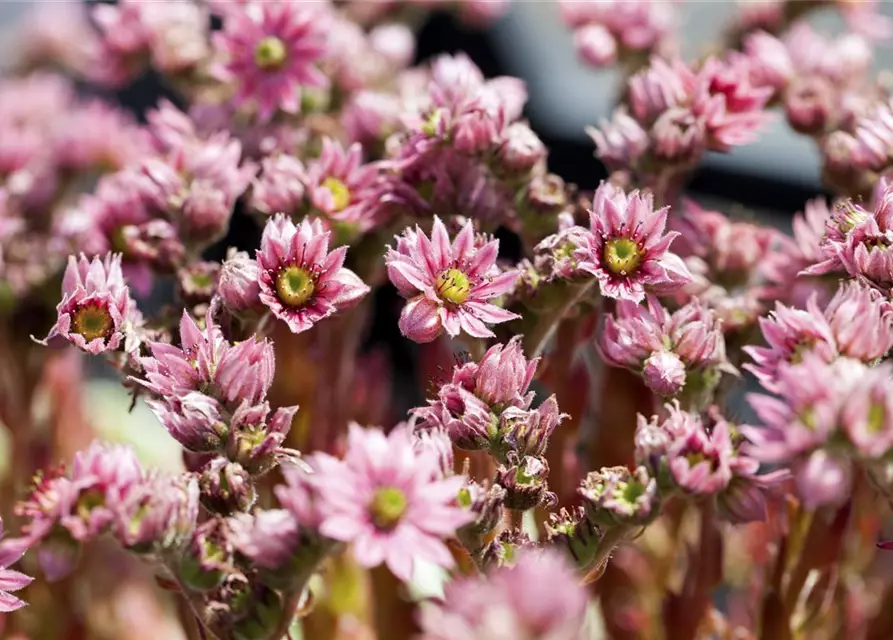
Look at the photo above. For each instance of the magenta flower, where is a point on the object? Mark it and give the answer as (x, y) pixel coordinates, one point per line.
(448, 287)
(301, 281)
(539, 597)
(858, 323)
(270, 50)
(96, 312)
(628, 250)
(11, 580)
(389, 500)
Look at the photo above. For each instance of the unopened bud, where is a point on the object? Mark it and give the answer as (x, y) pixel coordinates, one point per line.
(226, 487)
(525, 483)
(238, 286)
(486, 505)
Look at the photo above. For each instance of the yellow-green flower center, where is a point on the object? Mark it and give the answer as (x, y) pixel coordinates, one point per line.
(453, 286)
(623, 256)
(877, 416)
(387, 507)
(92, 321)
(340, 192)
(270, 53)
(295, 286)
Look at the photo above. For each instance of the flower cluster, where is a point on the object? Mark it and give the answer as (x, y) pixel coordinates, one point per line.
(679, 352)
(373, 181)
(675, 113)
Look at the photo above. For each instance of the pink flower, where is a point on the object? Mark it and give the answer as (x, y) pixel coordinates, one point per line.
(339, 185)
(206, 362)
(601, 28)
(301, 281)
(96, 312)
(539, 597)
(389, 500)
(789, 334)
(449, 287)
(196, 184)
(664, 347)
(620, 141)
(238, 286)
(11, 580)
(628, 250)
(808, 411)
(503, 376)
(268, 537)
(270, 51)
(281, 186)
(862, 322)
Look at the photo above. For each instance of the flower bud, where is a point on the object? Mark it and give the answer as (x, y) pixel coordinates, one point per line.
(808, 103)
(528, 432)
(208, 557)
(679, 136)
(525, 483)
(521, 151)
(197, 282)
(486, 505)
(595, 45)
(505, 548)
(226, 487)
(823, 480)
(254, 439)
(206, 213)
(615, 495)
(547, 193)
(238, 286)
(194, 420)
(664, 373)
(419, 320)
(265, 609)
(575, 533)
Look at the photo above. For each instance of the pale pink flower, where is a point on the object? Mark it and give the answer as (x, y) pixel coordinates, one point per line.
(270, 51)
(627, 249)
(539, 597)
(448, 286)
(11, 580)
(96, 312)
(789, 334)
(389, 500)
(301, 281)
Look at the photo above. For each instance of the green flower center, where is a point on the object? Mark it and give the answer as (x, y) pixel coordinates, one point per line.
(623, 256)
(340, 192)
(387, 507)
(92, 321)
(876, 418)
(295, 286)
(453, 286)
(270, 53)
(630, 492)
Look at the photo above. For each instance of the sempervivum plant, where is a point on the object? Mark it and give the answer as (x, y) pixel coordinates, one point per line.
(562, 449)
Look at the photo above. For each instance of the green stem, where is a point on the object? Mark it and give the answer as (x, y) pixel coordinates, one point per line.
(613, 537)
